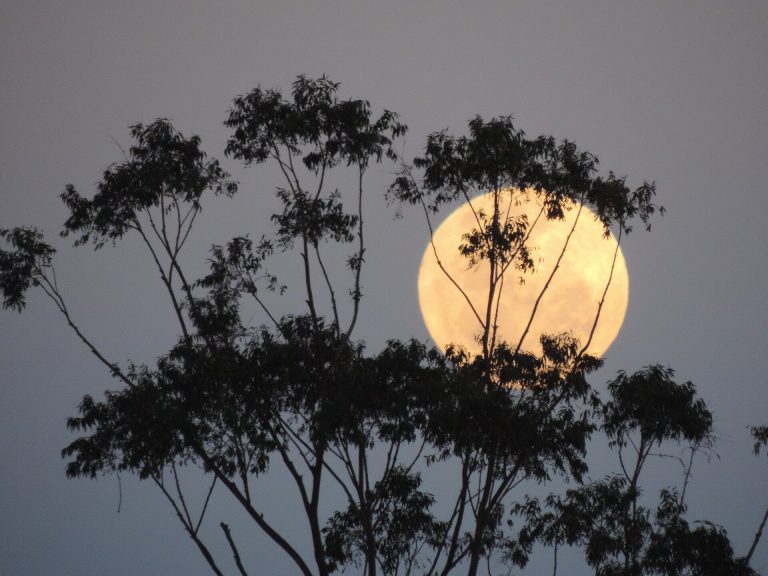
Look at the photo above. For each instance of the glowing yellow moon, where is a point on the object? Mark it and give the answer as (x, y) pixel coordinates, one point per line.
(570, 304)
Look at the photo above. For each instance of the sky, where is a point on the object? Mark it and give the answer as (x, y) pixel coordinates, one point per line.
(673, 91)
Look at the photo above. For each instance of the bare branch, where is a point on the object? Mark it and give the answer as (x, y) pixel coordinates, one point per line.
(687, 478)
(549, 280)
(257, 517)
(205, 505)
(166, 280)
(235, 552)
(188, 527)
(180, 494)
(52, 292)
(443, 269)
(458, 514)
(360, 251)
(329, 285)
(602, 298)
(253, 291)
(756, 540)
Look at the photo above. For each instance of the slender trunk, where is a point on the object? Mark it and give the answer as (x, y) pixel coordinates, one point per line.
(492, 261)
(481, 519)
(314, 519)
(365, 511)
(630, 549)
(308, 278)
(554, 566)
(461, 504)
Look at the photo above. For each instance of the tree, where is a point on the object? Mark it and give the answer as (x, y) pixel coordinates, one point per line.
(498, 158)
(619, 534)
(300, 392)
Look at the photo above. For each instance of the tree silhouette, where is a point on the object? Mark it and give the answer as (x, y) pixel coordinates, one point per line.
(298, 391)
(618, 533)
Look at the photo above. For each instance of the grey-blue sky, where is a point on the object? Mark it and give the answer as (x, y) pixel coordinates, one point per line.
(668, 90)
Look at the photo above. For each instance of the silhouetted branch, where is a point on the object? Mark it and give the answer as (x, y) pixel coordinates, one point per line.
(167, 281)
(549, 280)
(756, 540)
(358, 258)
(257, 517)
(235, 552)
(205, 505)
(331, 291)
(188, 527)
(442, 268)
(52, 292)
(602, 298)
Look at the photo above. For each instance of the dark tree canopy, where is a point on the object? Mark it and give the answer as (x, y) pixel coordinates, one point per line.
(232, 401)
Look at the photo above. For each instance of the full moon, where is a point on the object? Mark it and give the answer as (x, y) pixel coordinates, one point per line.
(569, 304)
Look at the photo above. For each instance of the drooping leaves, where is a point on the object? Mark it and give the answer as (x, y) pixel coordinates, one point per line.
(22, 266)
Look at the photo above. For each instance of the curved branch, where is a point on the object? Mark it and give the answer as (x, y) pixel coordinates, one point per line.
(52, 292)
(602, 298)
(442, 268)
(549, 280)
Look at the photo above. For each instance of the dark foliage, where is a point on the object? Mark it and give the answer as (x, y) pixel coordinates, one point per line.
(496, 156)
(162, 170)
(22, 266)
(619, 535)
(232, 400)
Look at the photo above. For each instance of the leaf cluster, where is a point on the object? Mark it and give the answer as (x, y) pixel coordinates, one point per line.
(496, 155)
(651, 403)
(618, 533)
(163, 169)
(24, 265)
(401, 521)
(526, 412)
(315, 125)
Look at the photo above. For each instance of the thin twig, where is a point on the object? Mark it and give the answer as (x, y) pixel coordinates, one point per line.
(256, 516)
(180, 493)
(443, 269)
(188, 527)
(205, 505)
(602, 298)
(57, 299)
(549, 280)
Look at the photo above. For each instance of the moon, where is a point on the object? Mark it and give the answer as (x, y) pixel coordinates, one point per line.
(570, 303)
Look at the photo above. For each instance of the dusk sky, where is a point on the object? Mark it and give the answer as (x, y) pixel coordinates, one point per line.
(674, 91)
